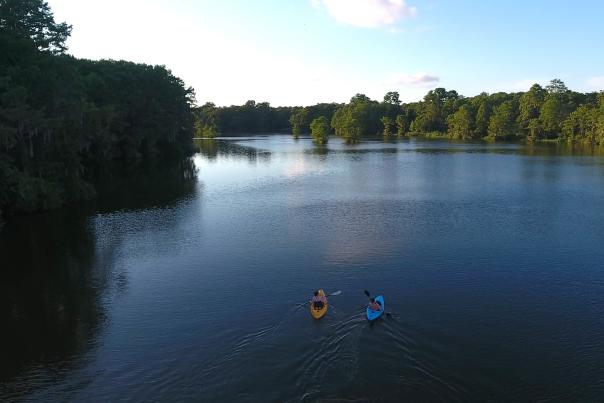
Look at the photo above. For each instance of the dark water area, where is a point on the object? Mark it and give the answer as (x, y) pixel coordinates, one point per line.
(183, 287)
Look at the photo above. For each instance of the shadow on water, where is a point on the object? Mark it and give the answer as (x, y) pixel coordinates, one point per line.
(50, 294)
(58, 275)
(148, 189)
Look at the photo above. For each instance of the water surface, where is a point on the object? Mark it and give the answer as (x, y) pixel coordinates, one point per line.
(192, 288)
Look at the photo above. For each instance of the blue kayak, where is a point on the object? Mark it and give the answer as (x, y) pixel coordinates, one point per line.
(373, 315)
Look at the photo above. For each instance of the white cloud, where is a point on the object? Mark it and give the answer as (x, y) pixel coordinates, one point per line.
(596, 83)
(367, 13)
(418, 80)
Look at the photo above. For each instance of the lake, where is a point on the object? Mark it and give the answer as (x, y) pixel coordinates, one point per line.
(191, 286)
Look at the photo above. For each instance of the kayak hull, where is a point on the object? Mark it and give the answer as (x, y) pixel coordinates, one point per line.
(373, 315)
(319, 313)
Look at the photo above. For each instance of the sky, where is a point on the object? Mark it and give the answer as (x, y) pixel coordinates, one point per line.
(302, 52)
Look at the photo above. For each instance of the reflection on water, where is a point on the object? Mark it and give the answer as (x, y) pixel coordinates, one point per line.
(49, 291)
(191, 284)
(214, 148)
(59, 277)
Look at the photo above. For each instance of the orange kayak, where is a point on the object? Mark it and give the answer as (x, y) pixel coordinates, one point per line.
(319, 313)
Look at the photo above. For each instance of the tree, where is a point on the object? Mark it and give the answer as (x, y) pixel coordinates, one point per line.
(483, 115)
(429, 118)
(461, 123)
(388, 125)
(535, 129)
(298, 121)
(433, 112)
(206, 121)
(401, 125)
(392, 98)
(556, 86)
(553, 112)
(581, 125)
(503, 125)
(556, 108)
(65, 123)
(530, 105)
(359, 117)
(600, 120)
(32, 20)
(319, 129)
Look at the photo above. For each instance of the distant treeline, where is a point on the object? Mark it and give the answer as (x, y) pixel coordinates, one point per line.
(553, 112)
(65, 123)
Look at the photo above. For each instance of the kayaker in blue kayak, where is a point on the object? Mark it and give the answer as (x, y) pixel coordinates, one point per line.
(318, 301)
(374, 305)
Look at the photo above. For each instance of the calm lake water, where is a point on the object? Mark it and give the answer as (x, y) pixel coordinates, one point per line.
(192, 287)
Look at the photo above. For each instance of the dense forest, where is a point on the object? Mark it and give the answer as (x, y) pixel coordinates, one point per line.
(66, 123)
(550, 113)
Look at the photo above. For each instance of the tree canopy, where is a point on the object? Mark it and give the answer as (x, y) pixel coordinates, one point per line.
(539, 113)
(33, 20)
(66, 124)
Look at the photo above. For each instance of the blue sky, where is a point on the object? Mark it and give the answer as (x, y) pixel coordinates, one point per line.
(300, 52)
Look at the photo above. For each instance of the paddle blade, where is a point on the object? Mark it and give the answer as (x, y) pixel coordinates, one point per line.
(367, 293)
(333, 294)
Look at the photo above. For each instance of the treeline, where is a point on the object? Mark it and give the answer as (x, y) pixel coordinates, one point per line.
(250, 117)
(65, 123)
(253, 117)
(553, 112)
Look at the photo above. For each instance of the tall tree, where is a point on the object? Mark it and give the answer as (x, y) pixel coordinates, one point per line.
(581, 125)
(388, 124)
(556, 108)
(530, 105)
(503, 124)
(461, 123)
(483, 114)
(319, 130)
(401, 125)
(392, 98)
(33, 20)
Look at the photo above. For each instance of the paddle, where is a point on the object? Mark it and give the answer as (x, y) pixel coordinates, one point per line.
(333, 294)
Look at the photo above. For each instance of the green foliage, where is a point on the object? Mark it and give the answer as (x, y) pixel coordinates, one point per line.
(539, 113)
(433, 112)
(298, 120)
(503, 125)
(553, 113)
(483, 115)
(530, 106)
(392, 98)
(535, 129)
(319, 129)
(401, 125)
(65, 122)
(388, 123)
(461, 123)
(556, 108)
(32, 20)
(206, 121)
(360, 117)
(581, 124)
